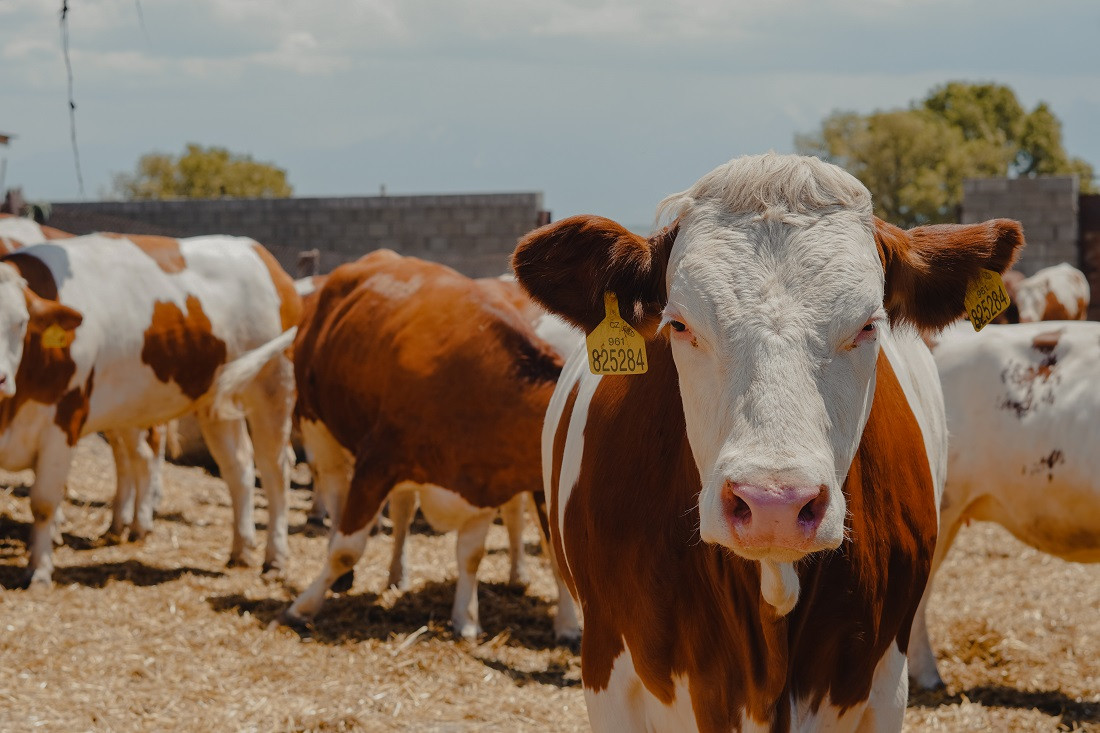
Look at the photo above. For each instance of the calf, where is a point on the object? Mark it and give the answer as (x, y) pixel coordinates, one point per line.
(1023, 412)
(116, 333)
(437, 386)
(749, 525)
(1057, 293)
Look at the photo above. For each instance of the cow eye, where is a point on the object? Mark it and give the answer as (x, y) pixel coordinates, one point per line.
(677, 326)
(869, 328)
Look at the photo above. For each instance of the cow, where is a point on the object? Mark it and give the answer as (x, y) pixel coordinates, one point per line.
(1023, 414)
(415, 380)
(117, 333)
(132, 449)
(1057, 293)
(748, 525)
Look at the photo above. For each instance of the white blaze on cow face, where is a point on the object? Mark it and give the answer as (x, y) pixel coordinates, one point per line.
(14, 317)
(775, 302)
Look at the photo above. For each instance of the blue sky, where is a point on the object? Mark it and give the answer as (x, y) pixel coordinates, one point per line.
(604, 106)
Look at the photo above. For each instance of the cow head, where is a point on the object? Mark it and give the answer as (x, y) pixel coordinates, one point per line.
(27, 319)
(774, 285)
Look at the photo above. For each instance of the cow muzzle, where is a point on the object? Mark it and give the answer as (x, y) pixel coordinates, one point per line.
(770, 521)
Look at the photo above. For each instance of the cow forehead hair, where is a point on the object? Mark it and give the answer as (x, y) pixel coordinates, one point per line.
(789, 188)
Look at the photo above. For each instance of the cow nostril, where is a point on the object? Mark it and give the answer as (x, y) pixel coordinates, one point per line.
(813, 510)
(741, 510)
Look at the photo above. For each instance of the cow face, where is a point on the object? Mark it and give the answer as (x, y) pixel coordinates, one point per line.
(28, 321)
(775, 286)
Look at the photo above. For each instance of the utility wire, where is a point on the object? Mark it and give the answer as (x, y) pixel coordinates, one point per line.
(72, 104)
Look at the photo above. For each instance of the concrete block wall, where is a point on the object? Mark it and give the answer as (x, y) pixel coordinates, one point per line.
(474, 233)
(1047, 208)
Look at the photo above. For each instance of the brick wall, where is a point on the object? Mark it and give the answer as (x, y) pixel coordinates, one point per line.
(474, 233)
(1047, 208)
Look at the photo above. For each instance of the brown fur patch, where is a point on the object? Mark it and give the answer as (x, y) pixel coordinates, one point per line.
(290, 303)
(1053, 310)
(569, 265)
(72, 410)
(181, 347)
(428, 387)
(929, 268)
(165, 251)
(686, 608)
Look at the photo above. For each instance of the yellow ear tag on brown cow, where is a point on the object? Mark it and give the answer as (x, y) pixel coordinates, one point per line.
(986, 298)
(614, 347)
(56, 337)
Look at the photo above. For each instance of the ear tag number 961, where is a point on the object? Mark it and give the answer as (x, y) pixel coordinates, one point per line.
(614, 347)
(985, 299)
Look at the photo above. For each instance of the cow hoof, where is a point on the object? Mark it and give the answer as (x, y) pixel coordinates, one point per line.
(238, 561)
(273, 570)
(316, 521)
(113, 537)
(519, 579)
(291, 620)
(927, 684)
(400, 583)
(344, 582)
(467, 631)
(137, 535)
(35, 580)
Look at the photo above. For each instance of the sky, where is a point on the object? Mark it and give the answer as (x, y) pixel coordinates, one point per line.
(605, 107)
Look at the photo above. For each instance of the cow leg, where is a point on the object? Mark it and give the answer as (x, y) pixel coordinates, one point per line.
(47, 493)
(157, 440)
(344, 550)
(331, 466)
(231, 449)
(567, 627)
(922, 660)
(122, 509)
(512, 515)
(141, 464)
(403, 504)
(270, 424)
(470, 548)
(366, 495)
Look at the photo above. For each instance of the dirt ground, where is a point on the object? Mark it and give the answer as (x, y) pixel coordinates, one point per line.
(161, 636)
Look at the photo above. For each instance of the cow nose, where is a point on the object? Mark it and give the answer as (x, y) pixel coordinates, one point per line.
(774, 517)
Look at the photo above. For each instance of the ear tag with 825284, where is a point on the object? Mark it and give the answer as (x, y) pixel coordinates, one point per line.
(614, 346)
(985, 299)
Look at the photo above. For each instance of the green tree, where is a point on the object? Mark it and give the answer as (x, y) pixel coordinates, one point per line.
(201, 173)
(914, 160)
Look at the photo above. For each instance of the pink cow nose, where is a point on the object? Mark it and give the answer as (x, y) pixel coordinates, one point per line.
(774, 517)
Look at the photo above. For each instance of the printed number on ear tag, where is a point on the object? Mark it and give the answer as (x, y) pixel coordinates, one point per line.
(986, 298)
(56, 337)
(614, 347)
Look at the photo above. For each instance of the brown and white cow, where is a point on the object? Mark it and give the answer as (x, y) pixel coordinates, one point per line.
(749, 525)
(437, 385)
(1057, 293)
(117, 333)
(1023, 414)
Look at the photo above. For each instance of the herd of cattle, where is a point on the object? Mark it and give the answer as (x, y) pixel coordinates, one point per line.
(748, 528)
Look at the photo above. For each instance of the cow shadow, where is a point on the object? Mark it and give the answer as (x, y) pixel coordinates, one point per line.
(526, 620)
(1074, 713)
(100, 574)
(15, 535)
(554, 675)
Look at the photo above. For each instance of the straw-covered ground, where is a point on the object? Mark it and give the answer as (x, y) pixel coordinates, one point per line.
(161, 636)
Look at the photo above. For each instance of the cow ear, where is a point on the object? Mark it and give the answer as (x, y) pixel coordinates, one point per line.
(45, 313)
(929, 268)
(568, 266)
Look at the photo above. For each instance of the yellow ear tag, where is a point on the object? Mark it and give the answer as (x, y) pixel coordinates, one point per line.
(56, 337)
(614, 347)
(986, 298)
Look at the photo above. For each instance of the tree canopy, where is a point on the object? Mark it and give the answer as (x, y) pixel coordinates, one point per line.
(914, 160)
(201, 173)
